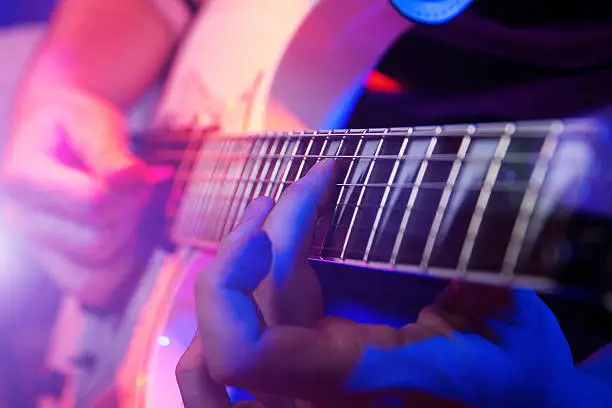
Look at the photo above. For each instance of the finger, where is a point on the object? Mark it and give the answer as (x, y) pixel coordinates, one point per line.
(290, 225)
(350, 334)
(251, 220)
(52, 187)
(227, 317)
(291, 294)
(467, 307)
(198, 390)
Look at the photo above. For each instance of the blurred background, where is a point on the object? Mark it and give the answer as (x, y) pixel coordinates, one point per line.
(21, 22)
(21, 25)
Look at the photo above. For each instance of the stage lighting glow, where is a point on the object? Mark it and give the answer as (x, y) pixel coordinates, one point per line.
(5, 254)
(163, 341)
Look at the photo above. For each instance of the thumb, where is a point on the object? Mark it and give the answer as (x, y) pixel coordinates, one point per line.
(197, 388)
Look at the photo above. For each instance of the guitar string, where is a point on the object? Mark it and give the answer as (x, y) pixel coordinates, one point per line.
(526, 158)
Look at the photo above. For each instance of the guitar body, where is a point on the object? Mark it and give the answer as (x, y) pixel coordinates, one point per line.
(271, 65)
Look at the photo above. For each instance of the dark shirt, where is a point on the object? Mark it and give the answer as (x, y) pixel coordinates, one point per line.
(498, 60)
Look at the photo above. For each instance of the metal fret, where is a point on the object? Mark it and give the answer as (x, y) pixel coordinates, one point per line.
(326, 234)
(412, 200)
(450, 184)
(210, 202)
(244, 200)
(529, 200)
(192, 199)
(383, 203)
(237, 169)
(276, 168)
(177, 229)
(303, 162)
(241, 186)
(264, 170)
(287, 170)
(346, 178)
(321, 155)
(483, 198)
(361, 193)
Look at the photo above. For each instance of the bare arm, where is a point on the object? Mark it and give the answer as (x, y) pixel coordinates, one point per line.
(113, 49)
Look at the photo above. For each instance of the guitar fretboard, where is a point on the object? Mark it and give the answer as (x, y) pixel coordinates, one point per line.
(450, 200)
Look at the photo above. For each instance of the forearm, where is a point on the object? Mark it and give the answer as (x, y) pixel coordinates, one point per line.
(113, 49)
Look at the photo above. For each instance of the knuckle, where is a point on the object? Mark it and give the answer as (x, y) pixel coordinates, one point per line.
(225, 371)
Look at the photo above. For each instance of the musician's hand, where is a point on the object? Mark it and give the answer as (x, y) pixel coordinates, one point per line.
(477, 345)
(75, 192)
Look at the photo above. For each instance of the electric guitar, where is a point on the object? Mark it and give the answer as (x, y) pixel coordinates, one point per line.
(521, 203)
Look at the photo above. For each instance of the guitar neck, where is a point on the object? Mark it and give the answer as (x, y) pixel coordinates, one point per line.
(489, 202)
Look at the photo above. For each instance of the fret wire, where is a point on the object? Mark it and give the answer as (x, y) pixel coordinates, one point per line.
(287, 170)
(321, 153)
(326, 235)
(528, 203)
(192, 200)
(276, 168)
(446, 194)
(239, 187)
(483, 199)
(348, 175)
(209, 202)
(178, 227)
(300, 169)
(385, 196)
(231, 188)
(264, 171)
(206, 188)
(303, 162)
(244, 200)
(411, 200)
(360, 198)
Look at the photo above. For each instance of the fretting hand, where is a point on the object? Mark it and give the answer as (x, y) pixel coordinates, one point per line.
(480, 346)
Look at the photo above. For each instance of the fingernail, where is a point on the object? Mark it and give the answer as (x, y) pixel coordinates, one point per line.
(252, 264)
(258, 209)
(322, 168)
